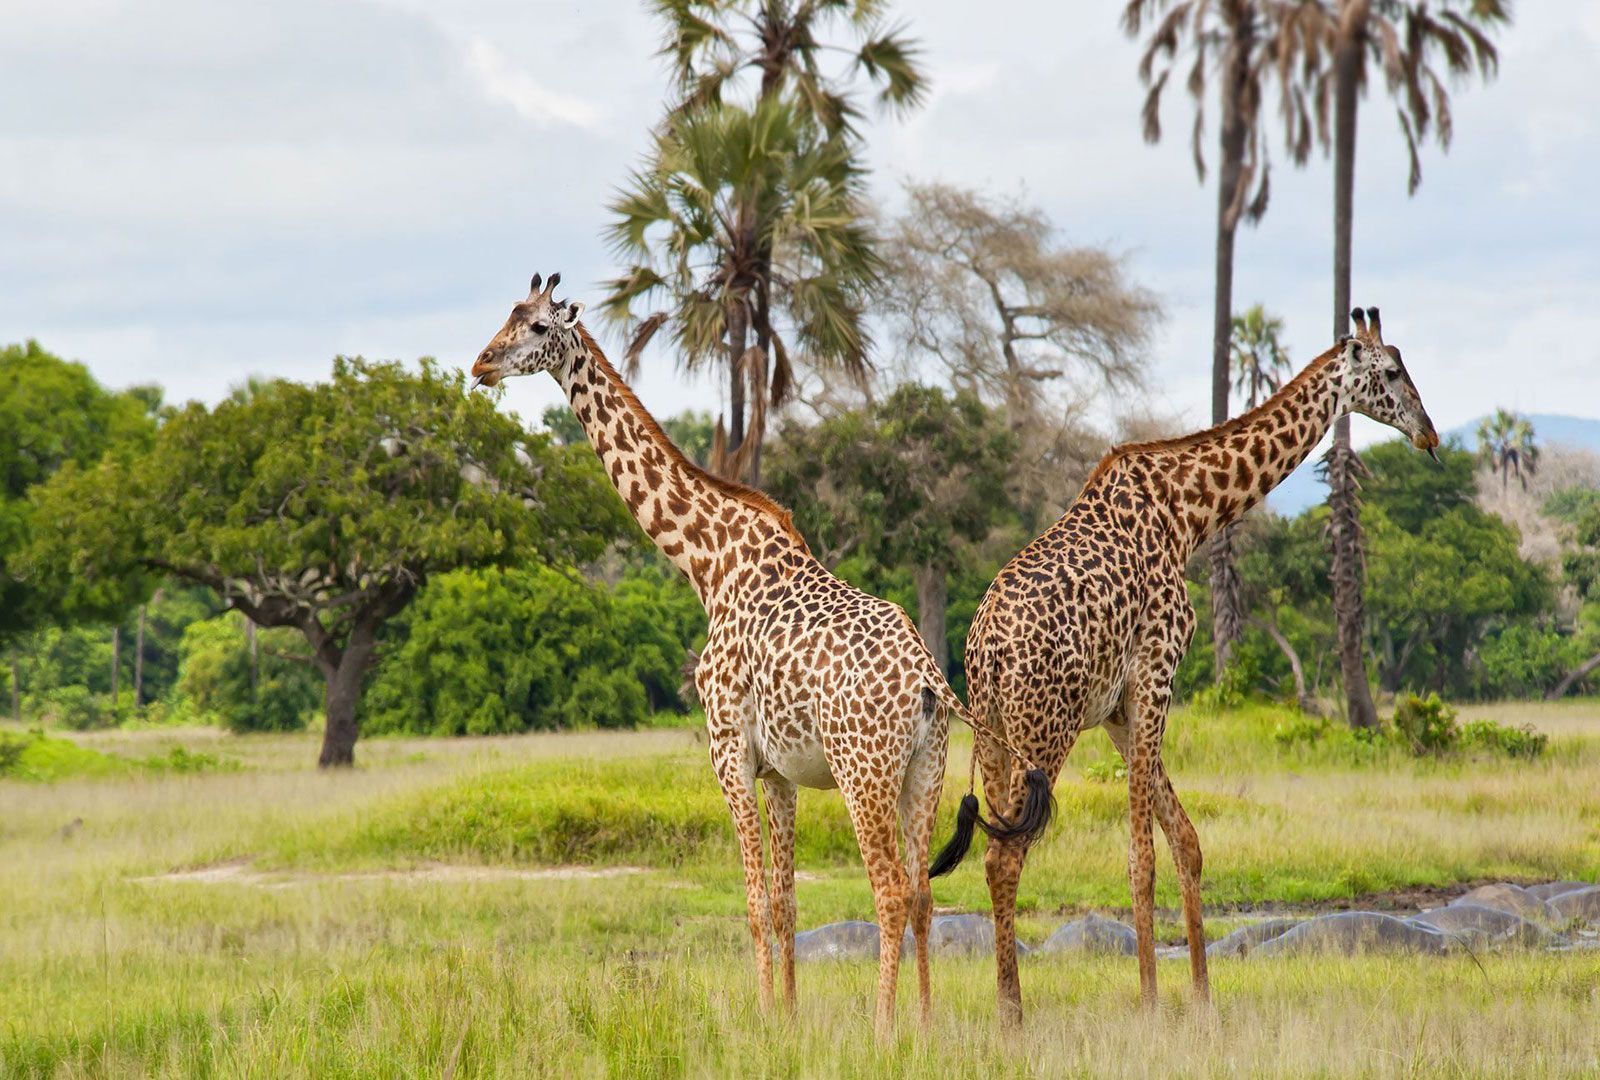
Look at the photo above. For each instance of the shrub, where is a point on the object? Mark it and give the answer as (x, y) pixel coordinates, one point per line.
(1237, 685)
(1300, 730)
(1516, 742)
(74, 707)
(1106, 772)
(214, 676)
(1523, 661)
(1427, 726)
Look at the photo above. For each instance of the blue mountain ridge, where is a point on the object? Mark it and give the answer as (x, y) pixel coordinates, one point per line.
(1303, 489)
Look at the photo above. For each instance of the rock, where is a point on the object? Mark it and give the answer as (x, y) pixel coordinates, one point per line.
(1512, 898)
(1551, 889)
(1091, 934)
(962, 935)
(1245, 939)
(1582, 905)
(1354, 932)
(854, 940)
(1486, 925)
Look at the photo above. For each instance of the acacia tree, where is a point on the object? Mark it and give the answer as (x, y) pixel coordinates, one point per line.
(1245, 46)
(738, 212)
(324, 508)
(906, 481)
(984, 291)
(1343, 44)
(1506, 445)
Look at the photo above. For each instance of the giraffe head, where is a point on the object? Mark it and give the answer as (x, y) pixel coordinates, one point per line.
(541, 335)
(1379, 386)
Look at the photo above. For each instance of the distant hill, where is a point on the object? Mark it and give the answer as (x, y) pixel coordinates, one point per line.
(1303, 489)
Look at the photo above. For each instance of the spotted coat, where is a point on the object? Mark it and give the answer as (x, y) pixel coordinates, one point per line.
(1086, 626)
(806, 681)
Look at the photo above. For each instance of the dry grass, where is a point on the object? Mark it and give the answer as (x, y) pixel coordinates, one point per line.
(381, 974)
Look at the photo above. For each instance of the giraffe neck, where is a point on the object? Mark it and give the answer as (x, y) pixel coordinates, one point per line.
(1214, 477)
(705, 525)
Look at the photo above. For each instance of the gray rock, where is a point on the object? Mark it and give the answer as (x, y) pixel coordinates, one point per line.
(1353, 932)
(1582, 905)
(948, 935)
(1476, 925)
(1245, 939)
(1092, 934)
(1512, 898)
(963, 935)
(854, 940)
(1552, 889)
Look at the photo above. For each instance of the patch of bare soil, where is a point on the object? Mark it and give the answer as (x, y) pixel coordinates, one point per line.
(240, 872)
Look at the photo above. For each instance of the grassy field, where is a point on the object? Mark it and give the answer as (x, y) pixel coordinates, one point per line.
(572, 905)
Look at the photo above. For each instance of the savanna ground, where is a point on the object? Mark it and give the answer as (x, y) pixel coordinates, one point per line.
(573, 905)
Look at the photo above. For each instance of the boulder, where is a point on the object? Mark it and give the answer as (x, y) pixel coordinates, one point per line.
(962, 935)
(1091, 934)
(1245, 939)
(853, 940)
(1580, 905)
(1352, 932)
(1512, 898)
(1551, 889)
(1476, 924)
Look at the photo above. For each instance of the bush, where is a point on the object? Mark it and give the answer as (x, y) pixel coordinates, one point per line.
(1523, 661)
(1238, 683)
(1519, 742)
(1427, 726)
(1300, 730)
(76, 708)
(214, 676)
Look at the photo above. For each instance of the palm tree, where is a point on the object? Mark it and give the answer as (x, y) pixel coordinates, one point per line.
(1506, 445)
(1249, 44)
(1260, 359)
(1342, 42)
(714, 47)
(724, 188)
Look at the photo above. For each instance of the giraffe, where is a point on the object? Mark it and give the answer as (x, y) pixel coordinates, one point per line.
(1087, 624)
(805, 680)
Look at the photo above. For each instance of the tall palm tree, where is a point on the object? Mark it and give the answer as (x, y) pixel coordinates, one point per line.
(1506, 444)
(1246, 46)
(723, 188)
(1344, 43)
(762, 52)
(1259, 357)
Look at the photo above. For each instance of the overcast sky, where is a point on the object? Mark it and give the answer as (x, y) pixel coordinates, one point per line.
(192, 191)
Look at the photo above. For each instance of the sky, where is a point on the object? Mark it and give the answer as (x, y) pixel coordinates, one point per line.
(195, 191)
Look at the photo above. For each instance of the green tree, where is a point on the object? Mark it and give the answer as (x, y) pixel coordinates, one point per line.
(906, 482)
(1259, 358)
(1343, 44)
(1242, 47)
(738, 216)
(1581, 565)
(54, 412)
(273, 689)
(324, 508)
(1506, 445)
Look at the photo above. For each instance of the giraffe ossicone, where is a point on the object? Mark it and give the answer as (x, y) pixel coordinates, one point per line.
(1085, 627)
(805, 680)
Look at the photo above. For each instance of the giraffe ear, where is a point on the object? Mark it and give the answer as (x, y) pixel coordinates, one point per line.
(569, 318)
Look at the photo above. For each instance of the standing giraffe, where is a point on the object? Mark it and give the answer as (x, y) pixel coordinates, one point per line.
(1087, 624)
(805, 680)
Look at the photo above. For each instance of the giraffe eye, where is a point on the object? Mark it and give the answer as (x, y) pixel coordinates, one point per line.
(541, 327)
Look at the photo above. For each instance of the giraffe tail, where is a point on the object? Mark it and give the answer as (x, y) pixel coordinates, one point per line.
(1038, 802)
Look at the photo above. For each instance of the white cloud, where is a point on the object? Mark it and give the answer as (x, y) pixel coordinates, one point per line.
(512, 86)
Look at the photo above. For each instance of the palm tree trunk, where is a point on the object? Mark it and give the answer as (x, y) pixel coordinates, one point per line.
(1344, 524)
(1571, 679)
(738, 331)
(932, 604)
(116, 664)
(1227, 616)
(16, 687)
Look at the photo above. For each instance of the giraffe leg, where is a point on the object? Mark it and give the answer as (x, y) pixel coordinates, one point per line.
(1185, 845)
(872, 811)
(919, 803)
(735, 769)
(780, 795)
(1142, 757)
(1002, 867)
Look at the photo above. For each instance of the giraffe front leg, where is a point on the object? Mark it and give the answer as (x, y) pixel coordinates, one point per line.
(1142, 865)
(780, 836)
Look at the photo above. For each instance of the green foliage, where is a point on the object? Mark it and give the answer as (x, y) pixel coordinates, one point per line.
(1516, 742)
(1427, 726)
(496, 651)
(1410, 489)
(1236, 685)
(1523, 661)
(43, 758)
(214, 676)
(1106, 772)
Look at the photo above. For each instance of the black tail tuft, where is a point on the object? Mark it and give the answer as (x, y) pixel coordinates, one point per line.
(956, 850)
(1038, 807)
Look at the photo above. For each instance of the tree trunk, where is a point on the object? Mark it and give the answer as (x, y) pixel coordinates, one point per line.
(764, 342)
(1344, 524)
(16, 687)
(138, 660)
(738, 323)
(1572, 678)
(932, 603)
(1227, 618)
(1303, 700)
(116, 664)
(255, 659)
(342, 725)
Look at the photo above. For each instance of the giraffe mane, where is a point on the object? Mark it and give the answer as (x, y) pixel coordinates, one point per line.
(1216, 431)
(759, 501)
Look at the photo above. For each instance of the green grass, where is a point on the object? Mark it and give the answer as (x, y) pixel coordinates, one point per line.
(339, 953)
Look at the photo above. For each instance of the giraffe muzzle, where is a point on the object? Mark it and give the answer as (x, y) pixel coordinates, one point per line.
(485, 370)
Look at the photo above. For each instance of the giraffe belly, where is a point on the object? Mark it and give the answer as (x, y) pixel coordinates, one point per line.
(795, 755)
